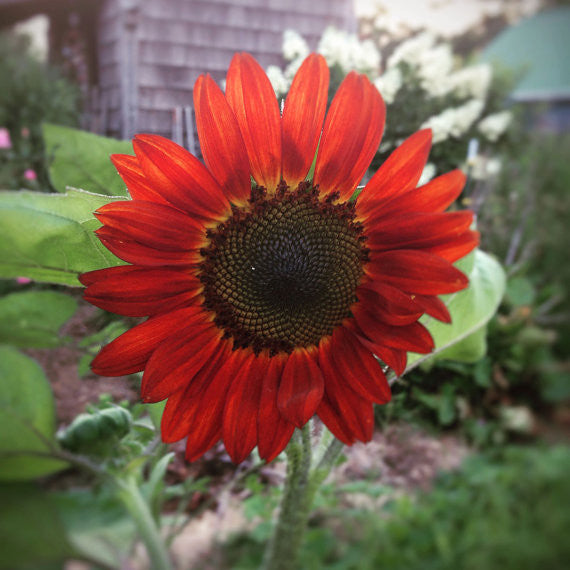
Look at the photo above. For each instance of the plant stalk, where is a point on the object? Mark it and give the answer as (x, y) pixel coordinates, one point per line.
(301, 485)
(149, 532)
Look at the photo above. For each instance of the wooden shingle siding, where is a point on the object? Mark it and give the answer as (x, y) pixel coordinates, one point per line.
(152, 51)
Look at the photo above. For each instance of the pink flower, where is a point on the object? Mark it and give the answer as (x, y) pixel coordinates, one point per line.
(25, 132)
(23, 280)
(30, 174)
(5, 141)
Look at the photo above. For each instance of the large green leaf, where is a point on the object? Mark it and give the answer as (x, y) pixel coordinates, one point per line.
(33, 318)
(81, 159)
(27, 418)
(49, 237)
(470, 310)
(31, 532)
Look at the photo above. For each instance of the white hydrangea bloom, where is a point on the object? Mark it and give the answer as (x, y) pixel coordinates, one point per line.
(345, 50)
(411, 51)
(454, 122)
(427, 173)
(278, 80)
(434, 67)
(472, 81)
(389, 84)
(493, 126)
(294, 45)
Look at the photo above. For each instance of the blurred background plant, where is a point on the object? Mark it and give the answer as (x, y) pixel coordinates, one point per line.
(32, 92)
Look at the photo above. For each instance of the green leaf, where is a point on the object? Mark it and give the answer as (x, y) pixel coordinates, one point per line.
(27, 418)
(33, 318)
(470, 309)
(97, 525)
(49, 237)
(31, 532)
(471, 349)
(81, 160)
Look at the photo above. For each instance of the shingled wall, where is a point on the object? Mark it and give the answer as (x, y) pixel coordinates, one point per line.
(152, 51)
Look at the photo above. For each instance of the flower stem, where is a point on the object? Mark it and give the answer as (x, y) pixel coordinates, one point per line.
(130, 495)
(301, 485)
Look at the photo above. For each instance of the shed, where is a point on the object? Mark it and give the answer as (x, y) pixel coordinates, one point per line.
(137, 60)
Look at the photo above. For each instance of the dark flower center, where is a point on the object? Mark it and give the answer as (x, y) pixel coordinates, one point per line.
(283, 273)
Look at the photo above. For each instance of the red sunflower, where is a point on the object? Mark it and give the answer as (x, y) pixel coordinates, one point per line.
(274, 300)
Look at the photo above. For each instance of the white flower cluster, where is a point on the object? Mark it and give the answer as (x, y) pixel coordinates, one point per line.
(337, 47)
(294, 46)
(348, 52)
(389, 84)
(434, 64)
(493, 126)
(454, 122)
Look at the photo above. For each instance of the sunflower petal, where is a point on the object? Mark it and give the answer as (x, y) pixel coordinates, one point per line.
(399, 173)
(358, 367)
(303, 117)
(252, 99)
(415, 271)
(221, 141)
(274, 431)
(301, 388)
(344, 411)
(207, 426)
(351, 135)
(130, 352)
(183, 180)
(139, 187)
(239, 427)
(181, 407)
(175, 362)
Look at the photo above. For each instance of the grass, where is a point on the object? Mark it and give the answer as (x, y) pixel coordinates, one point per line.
(504, 510)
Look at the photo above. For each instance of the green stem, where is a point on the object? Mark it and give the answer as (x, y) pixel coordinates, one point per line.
(301, 485)
(139, 509)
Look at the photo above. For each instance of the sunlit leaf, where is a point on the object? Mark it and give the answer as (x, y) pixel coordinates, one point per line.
(27, 418)
(470, 311)
(49, 237)
(81, 160)
(33, 318)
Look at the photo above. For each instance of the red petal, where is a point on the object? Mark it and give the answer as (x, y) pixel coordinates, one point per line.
(221, 141)
(301, 388)
(395, 358)
(356, 365)
(134, 252)
(252, 99)
(434, 307)
(274, 432)
(139, 187)
(344, 412)
(388, 304)
(303, 117)
(435, 196)
(207, 425)
(176, 361)
(239, 427)
(399, 173)
(416, 272)
(351, 135)
(181, 408)
(130, 352)
(182, 179)
(155, 225)
(418, 230)
(413, 337)
(458, 248)
(141, 292)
